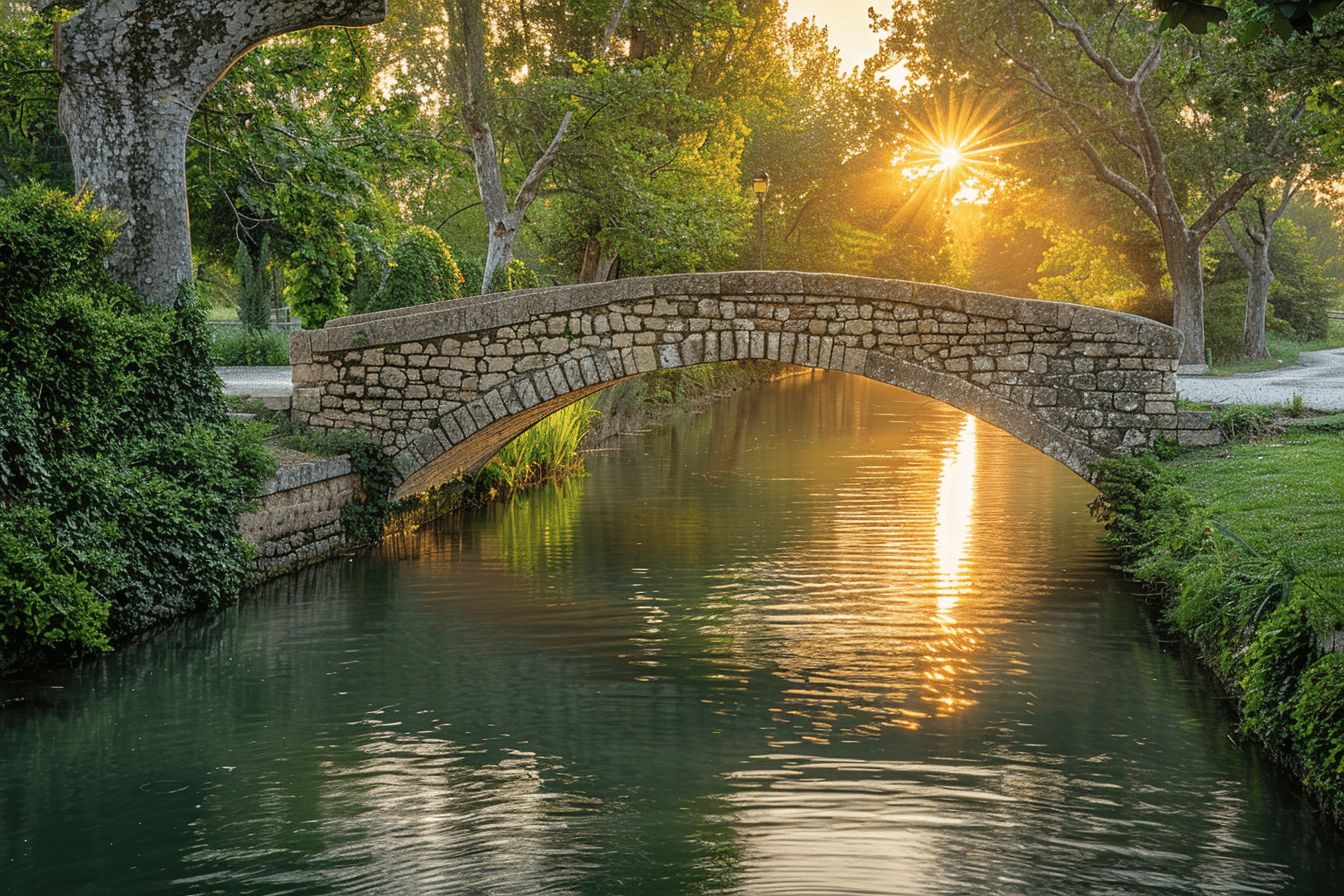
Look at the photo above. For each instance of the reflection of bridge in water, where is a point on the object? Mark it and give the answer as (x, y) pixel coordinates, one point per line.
(444, 386)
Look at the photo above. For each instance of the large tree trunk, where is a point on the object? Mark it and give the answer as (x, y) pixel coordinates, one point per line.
(597, 266)
(133, 73)
(1186, 269)
(1257, 300)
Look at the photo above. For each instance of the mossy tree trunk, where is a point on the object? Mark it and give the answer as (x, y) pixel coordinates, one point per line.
(132, 74)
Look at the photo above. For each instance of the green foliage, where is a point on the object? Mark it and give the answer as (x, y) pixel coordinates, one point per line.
(256, 286)
(518, 275)
(1302, 293)
(322, 261)
(421, 270)
(1318, 726)
(365, 518)
(32, 147)
(121, 480)
(233, 347)
(1254, 21)
(1281, 650)
(296, 143)
(1243, 421)
(45, 607)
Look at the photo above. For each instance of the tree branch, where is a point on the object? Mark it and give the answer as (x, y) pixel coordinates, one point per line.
(1103, 172)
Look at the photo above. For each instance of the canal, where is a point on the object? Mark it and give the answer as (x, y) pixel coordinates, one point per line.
(826, 637)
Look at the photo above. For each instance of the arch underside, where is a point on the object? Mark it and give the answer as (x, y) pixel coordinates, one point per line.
(434, 458)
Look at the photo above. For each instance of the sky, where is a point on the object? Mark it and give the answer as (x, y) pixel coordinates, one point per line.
(847, 22)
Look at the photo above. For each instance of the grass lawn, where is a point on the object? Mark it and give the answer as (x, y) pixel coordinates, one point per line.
(1283, 495)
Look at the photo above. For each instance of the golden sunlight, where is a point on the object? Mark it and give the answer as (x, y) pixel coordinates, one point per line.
(954, 151)
(956, 500)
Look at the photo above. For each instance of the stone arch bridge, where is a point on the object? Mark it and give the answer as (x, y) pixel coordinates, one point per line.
(443, 386)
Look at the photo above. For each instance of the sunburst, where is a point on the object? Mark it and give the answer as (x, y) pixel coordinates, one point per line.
(956, 149)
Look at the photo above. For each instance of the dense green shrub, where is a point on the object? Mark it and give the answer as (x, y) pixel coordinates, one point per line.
(1282, 649)
(249, 348)
(1318, 722)
(121, 479)
(421, 270)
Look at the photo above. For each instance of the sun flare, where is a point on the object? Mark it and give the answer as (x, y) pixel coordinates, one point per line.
(954, 151)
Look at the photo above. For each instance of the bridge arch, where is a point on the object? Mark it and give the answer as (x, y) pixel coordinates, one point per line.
(442, 387)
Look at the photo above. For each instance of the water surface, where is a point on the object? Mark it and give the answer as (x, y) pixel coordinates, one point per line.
(827, 637)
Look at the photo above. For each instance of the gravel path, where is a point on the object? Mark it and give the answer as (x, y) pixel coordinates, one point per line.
(257, 382)
(1318, 377)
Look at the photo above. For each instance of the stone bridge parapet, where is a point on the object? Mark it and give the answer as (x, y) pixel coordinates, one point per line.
(444, 386)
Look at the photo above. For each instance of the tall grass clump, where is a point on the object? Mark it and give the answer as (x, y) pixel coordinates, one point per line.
(547, 452)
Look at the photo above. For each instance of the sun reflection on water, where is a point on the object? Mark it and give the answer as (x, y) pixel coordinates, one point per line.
(956, 498)
(949, 659)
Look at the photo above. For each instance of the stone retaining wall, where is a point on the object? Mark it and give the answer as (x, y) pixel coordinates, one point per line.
(443, 386)
(299, 521)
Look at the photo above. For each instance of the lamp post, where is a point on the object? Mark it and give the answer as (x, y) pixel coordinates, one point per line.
(760, 185)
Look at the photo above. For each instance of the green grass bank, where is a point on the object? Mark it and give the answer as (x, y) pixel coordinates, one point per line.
(1243, 547)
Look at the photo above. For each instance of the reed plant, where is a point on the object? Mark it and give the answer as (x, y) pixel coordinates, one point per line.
(548, 452)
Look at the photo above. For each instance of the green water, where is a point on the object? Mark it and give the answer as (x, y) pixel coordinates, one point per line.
(827, 637)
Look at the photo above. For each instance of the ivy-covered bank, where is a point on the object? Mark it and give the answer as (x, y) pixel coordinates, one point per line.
(1243, 544)
(121, 477)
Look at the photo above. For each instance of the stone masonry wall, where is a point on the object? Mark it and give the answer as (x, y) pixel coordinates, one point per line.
(299, 521)
(443, 385)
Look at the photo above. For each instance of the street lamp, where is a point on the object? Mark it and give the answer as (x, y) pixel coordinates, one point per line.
(760, 185)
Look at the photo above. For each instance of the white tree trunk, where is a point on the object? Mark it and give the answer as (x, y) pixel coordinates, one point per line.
(132, 74)
(498, 254)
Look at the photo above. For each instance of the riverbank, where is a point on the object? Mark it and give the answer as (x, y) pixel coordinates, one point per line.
(1242, 548)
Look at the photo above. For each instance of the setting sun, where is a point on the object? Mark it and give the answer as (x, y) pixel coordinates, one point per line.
(949, 156)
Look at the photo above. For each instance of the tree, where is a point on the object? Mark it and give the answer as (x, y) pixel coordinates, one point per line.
(1152, 114)
(132, 74)
(1258, 216)
(256, 286)
(302, 143)
(475, 106)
